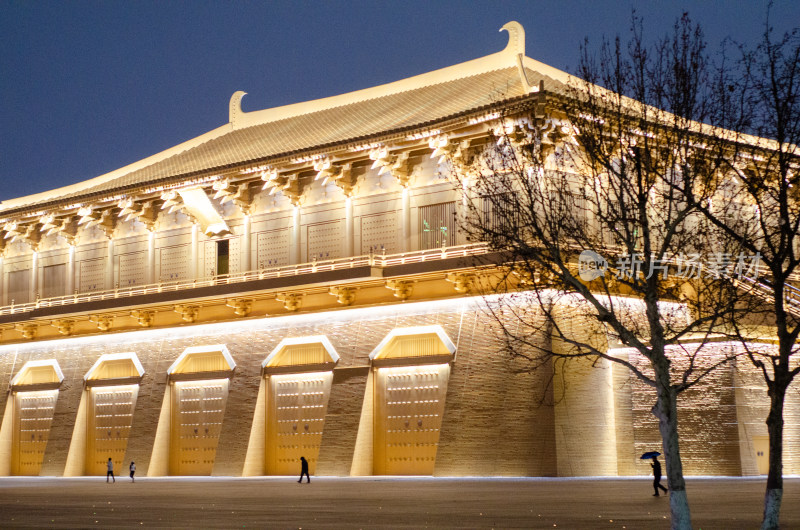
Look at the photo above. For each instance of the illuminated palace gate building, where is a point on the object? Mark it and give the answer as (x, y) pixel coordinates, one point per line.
(293, 284)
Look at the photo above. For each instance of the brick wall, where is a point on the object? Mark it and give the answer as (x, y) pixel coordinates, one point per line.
(499, 416)
(707, 425)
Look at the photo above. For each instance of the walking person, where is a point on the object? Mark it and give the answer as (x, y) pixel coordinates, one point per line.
(110, 470)
(132, 467)
(656, 465)
(304, 469)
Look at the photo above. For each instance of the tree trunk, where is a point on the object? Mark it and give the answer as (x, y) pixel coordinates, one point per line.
(774, 493)
(666, 410)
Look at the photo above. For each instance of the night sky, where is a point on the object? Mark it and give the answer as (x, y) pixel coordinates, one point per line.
(88, 87)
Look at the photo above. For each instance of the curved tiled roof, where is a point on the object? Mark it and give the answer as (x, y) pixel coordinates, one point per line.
(330, 126)
(351, 122)
(252, 137)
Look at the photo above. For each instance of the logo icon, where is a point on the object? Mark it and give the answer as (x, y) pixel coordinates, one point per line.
(591, 265)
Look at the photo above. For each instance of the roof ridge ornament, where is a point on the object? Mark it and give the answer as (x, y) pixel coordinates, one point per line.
(516, 46)
(516, 38)
(235, 106)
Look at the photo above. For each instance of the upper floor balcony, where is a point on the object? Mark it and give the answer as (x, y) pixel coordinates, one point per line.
(342, 270)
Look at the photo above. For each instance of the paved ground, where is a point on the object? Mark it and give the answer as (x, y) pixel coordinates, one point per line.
(378, 502)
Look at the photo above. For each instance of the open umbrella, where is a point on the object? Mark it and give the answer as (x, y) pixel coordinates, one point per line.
(650, 454)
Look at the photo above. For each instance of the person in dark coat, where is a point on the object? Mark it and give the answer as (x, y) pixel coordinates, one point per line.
(656, 465)
(304, 469)
(110, 470)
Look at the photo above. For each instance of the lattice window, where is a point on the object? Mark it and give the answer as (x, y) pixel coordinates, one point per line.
(379, 233)
(410, 404)
(273, 248)
(175, 263)
(296, 420)
(19, 291)
(53, 277)
(33, 417)
(91, 275)
(437, 225)
(132, 268)
(199, 408)
(210, 259)
(109, 426)
(325, 240)
(501, 211)
(234, 255)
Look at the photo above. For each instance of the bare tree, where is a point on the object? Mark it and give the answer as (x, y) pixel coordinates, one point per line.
(583, 197)
(755, 201)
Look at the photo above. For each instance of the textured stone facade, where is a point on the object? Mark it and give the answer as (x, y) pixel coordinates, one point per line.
(499, 420)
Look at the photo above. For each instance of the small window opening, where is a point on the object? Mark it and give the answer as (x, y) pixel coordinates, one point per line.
(223, 248)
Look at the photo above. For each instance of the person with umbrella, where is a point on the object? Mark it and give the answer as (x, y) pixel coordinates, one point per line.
(656, 465)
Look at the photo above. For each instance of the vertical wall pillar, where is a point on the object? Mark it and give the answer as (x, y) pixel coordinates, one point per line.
(406, 221)
(348, 227)
(585, 411)
(194, 266)
(584, 391)
(34, 276)
(295, 250)
(3, 283)
(463, 211)
(623, 416)
(6, 299)
(71, 270)
(109, 264)
(151, 257)
(246, 265)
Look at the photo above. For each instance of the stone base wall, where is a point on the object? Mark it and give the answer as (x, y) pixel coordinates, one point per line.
(499, 418)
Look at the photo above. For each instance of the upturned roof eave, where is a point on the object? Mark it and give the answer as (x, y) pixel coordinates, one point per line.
(446, 122)
(114, 182)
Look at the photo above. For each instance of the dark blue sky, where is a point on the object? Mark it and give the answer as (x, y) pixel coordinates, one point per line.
(88, 87)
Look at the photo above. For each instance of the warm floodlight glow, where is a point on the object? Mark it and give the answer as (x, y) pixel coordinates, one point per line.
(439, 145)
(692, 347)
(11, 231)
(269, 176)
(297, 405)
(47, 221)
(224, 190)
(380, 156)
(88, 217)
(343, 315)
(126, 208)
(54, 229)
(171, 201)
(221, 188)
(216, 357)
(409, 403)
(424, 134)
(129, 358)
(436, 330)
(199, 206)
(288, 344)
(322, 167)
(39, 372)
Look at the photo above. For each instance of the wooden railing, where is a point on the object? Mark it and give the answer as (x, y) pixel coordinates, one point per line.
(371, 260)
(756, 286)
